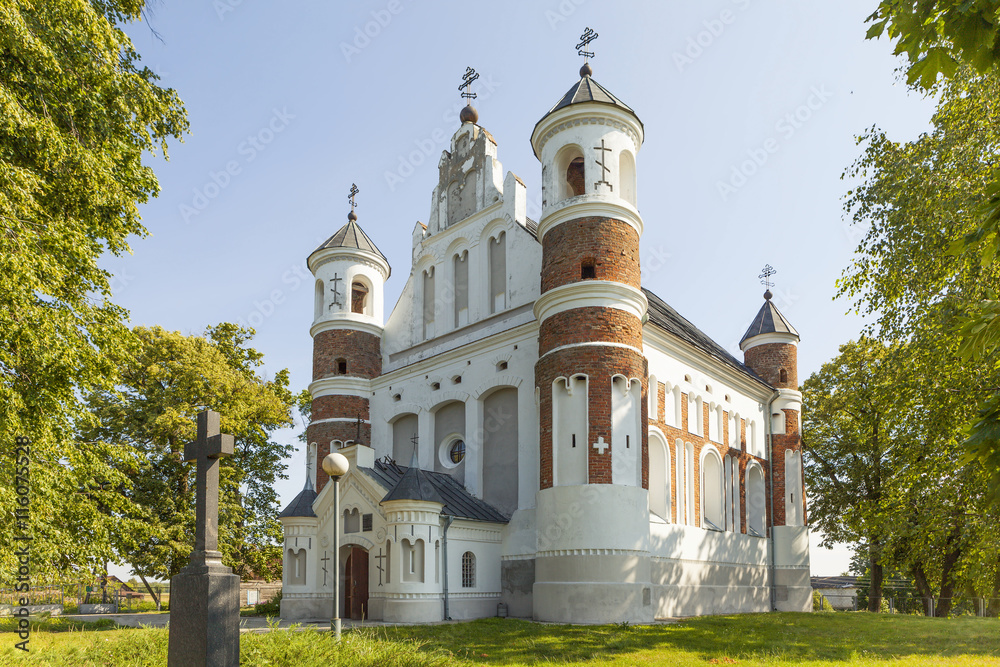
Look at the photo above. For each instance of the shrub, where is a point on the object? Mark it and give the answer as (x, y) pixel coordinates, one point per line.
(820, 603)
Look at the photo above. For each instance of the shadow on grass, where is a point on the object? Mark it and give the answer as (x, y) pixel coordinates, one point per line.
(793, 637)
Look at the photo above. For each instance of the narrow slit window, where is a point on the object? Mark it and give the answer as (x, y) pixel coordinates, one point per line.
(341, 366)
(588, 270)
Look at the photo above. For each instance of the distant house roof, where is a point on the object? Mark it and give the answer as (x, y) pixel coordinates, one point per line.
(668, 319)
(458, 502)
(834, 582)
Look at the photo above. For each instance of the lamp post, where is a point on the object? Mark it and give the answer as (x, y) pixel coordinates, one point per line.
(336, 466)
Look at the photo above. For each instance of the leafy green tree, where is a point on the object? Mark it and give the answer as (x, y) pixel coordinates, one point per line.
(77, 114)
(152, 411)
(852, 419)
(938, 38)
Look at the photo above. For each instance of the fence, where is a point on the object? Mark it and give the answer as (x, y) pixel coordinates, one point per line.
(915, 605)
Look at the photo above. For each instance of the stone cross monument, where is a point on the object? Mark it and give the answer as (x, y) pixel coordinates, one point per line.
(205, 596)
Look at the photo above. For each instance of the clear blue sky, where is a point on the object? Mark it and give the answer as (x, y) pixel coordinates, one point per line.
(290, 103)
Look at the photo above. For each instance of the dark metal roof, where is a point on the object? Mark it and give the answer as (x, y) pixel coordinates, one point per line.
(458, 502)
(302, 505)
(588, 90)
(414, 485)
(351, 236)
(768, 320)
(668, 319)
(834, 582)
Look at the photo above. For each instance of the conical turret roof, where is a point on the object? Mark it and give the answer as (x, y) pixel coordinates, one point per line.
(302, 504)
(414, 485)
(769, 320)
(351, 236)
(588, 90)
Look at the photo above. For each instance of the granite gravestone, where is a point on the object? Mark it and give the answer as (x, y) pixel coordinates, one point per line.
(205, 596)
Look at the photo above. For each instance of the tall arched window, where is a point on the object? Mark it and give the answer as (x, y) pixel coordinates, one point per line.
(756, 500)
(783, 376)
(429, 305)
(388, 562)
(712, 492)
(468, 570)
(659, 477)
(460, 266)
(626, 177)
(318, 299)
(498, 272)
(569, 175)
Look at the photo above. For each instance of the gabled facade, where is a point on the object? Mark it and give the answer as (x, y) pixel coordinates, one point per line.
(577, 450)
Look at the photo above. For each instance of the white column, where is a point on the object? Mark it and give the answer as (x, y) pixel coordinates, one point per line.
(428, 448)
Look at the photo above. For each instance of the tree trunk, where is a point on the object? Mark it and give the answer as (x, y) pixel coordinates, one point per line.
(993, 605)
(875, 588)
(947, 579)
(920, 579)
(156, 598)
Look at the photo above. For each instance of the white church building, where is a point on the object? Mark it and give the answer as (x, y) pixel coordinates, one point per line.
(530, 427)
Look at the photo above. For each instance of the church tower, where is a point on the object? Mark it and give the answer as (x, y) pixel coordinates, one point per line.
(350, 274)
(592, 560)
(770, 349)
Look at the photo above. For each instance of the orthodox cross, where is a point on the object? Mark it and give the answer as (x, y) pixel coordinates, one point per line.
(467, 79)
(380, 566)
(600, 445)
(324, 560)
(765, 276)
(210, 446)
(350, 197)
(336, 295)
(357, 439)
(585, 39)
(605, 169)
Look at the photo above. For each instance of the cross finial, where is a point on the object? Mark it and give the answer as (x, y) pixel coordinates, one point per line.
(585, 39)
(765, 279)
(414, 439)
(357, 438)
(467, 79)
(350, 197)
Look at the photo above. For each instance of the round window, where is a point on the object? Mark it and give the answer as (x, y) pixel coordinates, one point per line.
(457, 451)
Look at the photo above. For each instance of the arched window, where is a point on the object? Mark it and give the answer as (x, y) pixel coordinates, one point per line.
(352, 521)
(653, 396)
(460, 266)
(413, 560)
(297, 567)
(659, 477)
(756, 501)
(569, 430)
(429, 305)
(712, 492)
(359, 298)
(319, 299)
(626, 179)
(468, 570)
(498, 272)
(575, 178)
(783, 376)
(569, 175)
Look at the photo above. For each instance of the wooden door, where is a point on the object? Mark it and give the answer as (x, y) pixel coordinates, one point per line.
(356, 584)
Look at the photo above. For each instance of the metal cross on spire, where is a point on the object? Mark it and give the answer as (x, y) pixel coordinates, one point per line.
(585, 39)
(765, 276)
(467, 79)
(350, 196)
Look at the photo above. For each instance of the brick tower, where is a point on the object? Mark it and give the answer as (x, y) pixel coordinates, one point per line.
(770, 349)
(592, 559)
(350, 276)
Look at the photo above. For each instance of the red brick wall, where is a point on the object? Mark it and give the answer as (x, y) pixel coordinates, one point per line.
(361, 350)
(584, 325)
(612, 244)
(781, 442)
(768, 359)
(742, 457)
(324, 433)
(599, 364)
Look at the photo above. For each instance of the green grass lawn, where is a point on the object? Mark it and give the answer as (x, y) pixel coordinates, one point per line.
(842, 639)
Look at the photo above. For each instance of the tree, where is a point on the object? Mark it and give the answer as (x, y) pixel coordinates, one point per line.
(938, 38)
(852, 419)
(152, 411)
(77, 114)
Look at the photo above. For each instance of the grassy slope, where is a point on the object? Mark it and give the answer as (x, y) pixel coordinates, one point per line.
(773, 639)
